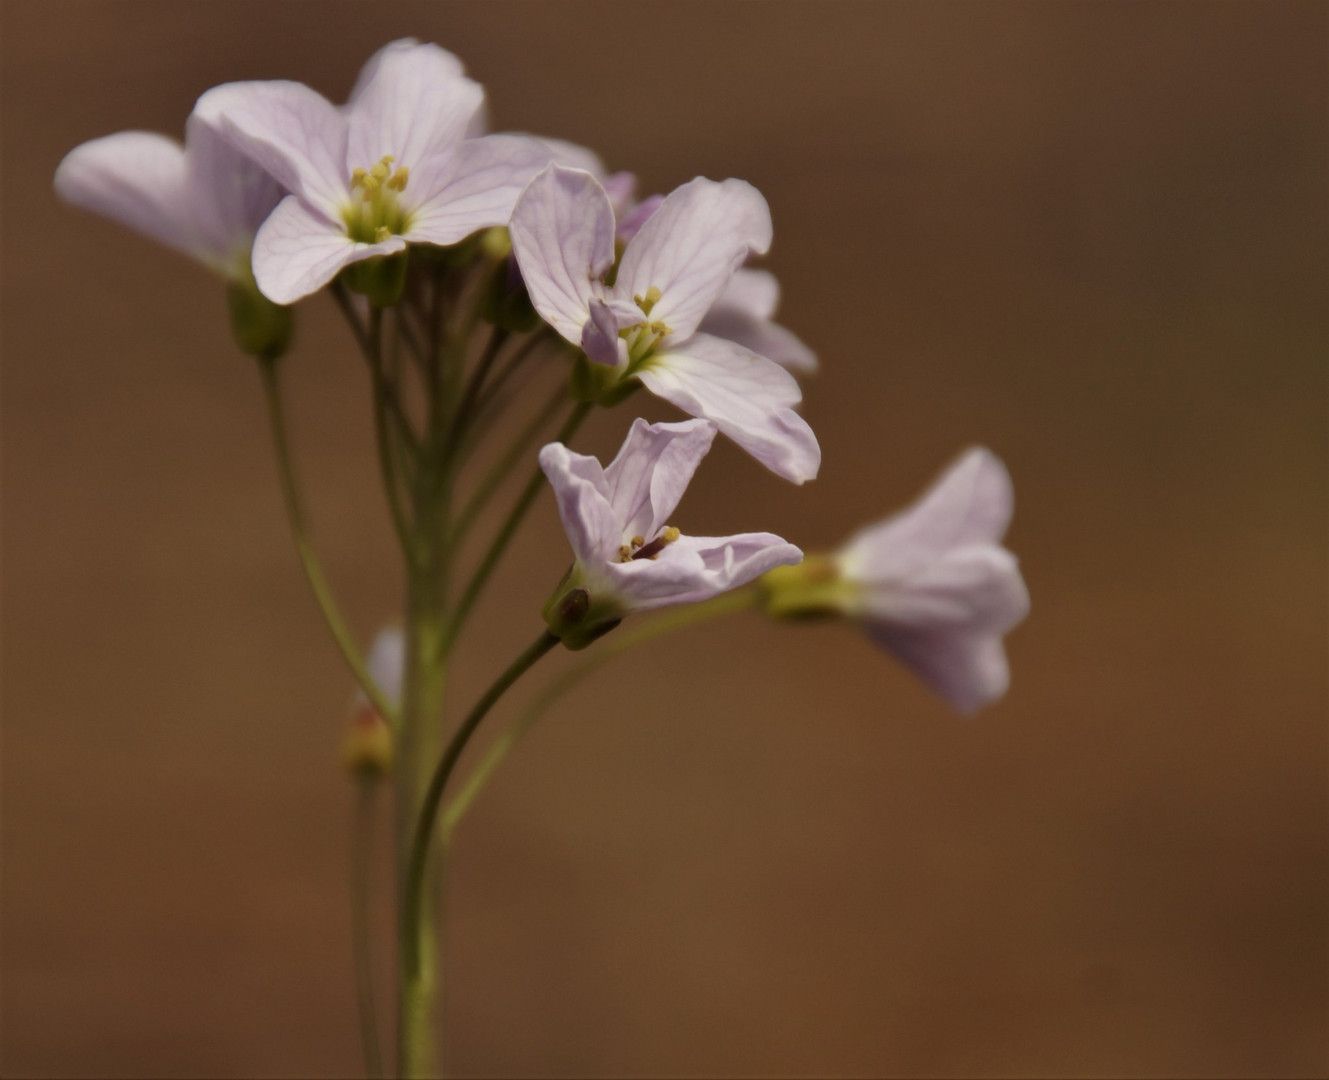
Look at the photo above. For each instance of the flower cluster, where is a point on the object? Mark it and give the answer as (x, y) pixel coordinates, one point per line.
(284, 193)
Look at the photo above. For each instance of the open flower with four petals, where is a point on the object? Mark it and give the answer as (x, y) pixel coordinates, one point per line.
(645, 325)
(396, 165)
(629, 557)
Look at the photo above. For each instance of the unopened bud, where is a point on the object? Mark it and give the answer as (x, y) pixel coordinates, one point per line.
(261, 328)
(367, 748)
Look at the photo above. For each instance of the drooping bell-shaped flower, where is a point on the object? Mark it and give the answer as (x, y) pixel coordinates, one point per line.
(645, 326)
(396, 165)
(932, 584)
(629, 557)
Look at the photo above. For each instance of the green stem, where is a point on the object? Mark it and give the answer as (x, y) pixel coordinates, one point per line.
(416, 963)
(494, 478)
(510, 525)
(383, 433)
(362, 866)
(597, 657)
(308, 559)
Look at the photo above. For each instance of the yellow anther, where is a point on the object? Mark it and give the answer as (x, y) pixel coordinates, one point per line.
(380, 171)
(660, 328)
(357, 177)
(670, 534)
(381, 233)
(624, 553)
(648, 301)
(397, 181)
(637, 541)
(369, 185)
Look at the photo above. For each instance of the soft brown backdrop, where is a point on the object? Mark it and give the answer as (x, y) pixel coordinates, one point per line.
(1092, 237)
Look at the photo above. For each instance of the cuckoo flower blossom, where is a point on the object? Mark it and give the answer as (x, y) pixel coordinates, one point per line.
(645, 325)
(395, 166)
(628, 556)
(204, 198)
(931, 584)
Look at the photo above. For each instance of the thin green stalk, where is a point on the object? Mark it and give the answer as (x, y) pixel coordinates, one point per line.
(418, 988)
(510, 525)
(362, 867)
(596, 657)
(538, 337)
(497, 337)
(318, 581)
(494, 478)
(387, 459)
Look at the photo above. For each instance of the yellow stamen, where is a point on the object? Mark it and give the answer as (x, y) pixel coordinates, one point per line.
(637, 541)
(670, 534)
(648, 301)
(397, 181)
(381, 233)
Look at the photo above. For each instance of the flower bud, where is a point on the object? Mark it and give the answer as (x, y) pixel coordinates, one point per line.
(261, 328)
(367, 748)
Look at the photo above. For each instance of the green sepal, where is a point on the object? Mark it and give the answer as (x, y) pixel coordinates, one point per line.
(380, 278)
(577, 616)
(261, 328)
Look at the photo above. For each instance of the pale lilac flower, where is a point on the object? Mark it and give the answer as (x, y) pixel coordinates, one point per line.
(203, 198)
(934, 585)
(397, 165)
(744, 314)
(645, 325)
(628, 556)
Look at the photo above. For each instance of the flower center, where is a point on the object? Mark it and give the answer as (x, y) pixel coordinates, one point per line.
(638, 548)
(643, 337)
(375, 211)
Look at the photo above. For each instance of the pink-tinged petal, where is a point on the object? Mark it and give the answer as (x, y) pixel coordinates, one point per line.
(691, 246)
(136, 178)
(387, 664)
(970, 504)
(229, 196)
(695, 568)
(967, 670)
(476, 188)
(583, 503)
(415, 106)
(621, 187)
(599, 337)
(746, 396)
(753, 292)
(298, 251)
(370, 67)
(760, 336)
(978, 588)
(572, 156)
(652, 470)
(291, 131)
(630, 223)
(562, 231)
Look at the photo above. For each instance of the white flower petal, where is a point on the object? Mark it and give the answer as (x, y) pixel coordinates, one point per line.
(562, 231)
(652, 470)
(695, 568)
(760, 336)
(476, 188)
(583, 503)
(298, 251)
(291, 131)
(136, 178)
(754, 292)
(572, 156)
(966, 670)
(229, 196)
(415, 105)
(746, 396)
(691, 246)
(970, 504)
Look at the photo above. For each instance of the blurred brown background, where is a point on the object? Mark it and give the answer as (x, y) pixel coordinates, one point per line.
(1092, 237)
